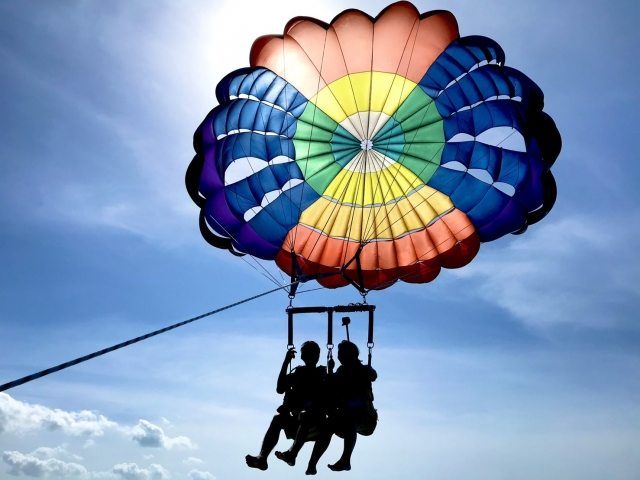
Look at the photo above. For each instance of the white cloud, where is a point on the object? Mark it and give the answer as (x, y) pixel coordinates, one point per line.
(21, 417)
(146, 434)
(200, 475)
(55, 452)
(40, 465)
(46, 462)
(192, 461)
(576, 271)
(131, 471)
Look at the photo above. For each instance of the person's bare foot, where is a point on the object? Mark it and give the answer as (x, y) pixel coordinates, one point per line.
(256, 462)
(311, 470)
(340, 466)
(288, 457)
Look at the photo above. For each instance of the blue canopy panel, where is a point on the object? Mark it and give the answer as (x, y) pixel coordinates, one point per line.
(488, 83)
(247, 115)
(459, 58)
(263, 85)
(492, 163)
(255, 190)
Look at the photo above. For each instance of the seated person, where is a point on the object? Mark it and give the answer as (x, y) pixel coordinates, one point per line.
(351, 398)
(302, 409)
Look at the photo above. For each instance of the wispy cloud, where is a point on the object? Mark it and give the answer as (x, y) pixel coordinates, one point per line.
(578, 271)
(132, 143)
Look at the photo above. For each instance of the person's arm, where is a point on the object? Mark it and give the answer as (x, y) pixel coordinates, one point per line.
(281, 386)
(372, 373)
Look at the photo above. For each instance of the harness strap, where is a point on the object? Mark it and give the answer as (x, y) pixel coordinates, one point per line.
(295, 277)
(360, 276)
(370, 343)
(290, 344)
(329, 333)
(360, 283)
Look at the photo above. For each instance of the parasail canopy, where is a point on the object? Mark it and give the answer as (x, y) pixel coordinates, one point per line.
(371, 150)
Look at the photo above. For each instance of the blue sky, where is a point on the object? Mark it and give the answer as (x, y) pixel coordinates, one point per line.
(524, 365)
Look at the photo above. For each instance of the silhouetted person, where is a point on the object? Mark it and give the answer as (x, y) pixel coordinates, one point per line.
(302, 409)
(352, 398)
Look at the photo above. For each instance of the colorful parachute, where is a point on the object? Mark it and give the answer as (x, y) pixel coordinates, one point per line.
(368, 151)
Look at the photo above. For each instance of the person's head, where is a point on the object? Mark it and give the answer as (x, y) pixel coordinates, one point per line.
(310, 353)
(348, 352)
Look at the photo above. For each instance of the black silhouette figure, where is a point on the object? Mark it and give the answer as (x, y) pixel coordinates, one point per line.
(352, 409)
(302, 414)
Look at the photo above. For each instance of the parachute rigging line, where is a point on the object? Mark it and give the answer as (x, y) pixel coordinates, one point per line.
(313, 125)
(76, 361)
(269, 276)
(374, 153)
(425, 199)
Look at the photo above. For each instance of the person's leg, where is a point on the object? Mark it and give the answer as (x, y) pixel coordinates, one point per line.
(305, 422)
(320, 446)
(268, 444)
(350, 438)
(350, 434)
(344, 463)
